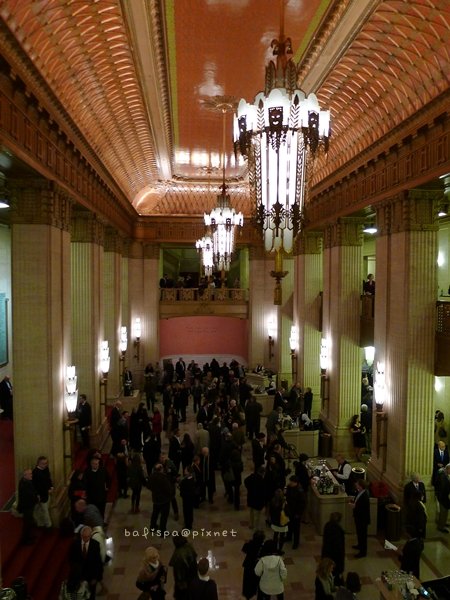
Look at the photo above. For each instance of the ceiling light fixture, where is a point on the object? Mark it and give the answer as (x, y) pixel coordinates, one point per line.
(370, 229)
(223, 220)
(279, 134)
(205, 248)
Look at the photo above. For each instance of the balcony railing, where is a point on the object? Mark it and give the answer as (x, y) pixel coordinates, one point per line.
(231, 302)
(203, 295)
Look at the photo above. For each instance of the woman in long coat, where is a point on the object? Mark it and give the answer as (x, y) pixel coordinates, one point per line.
(333, 545)
(252, 551)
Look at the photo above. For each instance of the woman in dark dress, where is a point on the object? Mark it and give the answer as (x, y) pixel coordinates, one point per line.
(252, 551)
(358, 435)
(333, 545)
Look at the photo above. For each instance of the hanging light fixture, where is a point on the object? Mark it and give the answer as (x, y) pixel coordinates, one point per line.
(205, 248)
(223, 220)
(279, 134)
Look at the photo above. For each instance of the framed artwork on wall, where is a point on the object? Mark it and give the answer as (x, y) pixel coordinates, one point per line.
(3, 329)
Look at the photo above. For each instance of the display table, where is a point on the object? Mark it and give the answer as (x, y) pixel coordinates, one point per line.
(322, 505)
(394, 594)
(306, 442)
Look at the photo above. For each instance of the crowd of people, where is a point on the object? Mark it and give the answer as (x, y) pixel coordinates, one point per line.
(227, 419)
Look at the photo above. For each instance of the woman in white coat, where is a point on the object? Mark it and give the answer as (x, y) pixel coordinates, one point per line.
(272, 572)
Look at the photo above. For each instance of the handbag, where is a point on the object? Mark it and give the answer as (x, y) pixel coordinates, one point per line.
(284, 519)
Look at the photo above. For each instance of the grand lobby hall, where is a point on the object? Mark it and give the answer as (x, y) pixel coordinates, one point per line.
(229, 179)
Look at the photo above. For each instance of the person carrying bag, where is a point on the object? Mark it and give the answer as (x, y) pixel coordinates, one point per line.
(152, 576)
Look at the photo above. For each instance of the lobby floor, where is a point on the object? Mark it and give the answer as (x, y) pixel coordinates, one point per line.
(127, 543)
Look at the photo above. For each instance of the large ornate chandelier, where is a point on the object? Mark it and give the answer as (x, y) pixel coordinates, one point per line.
(279, 134)
(205, 248)
(223, 220)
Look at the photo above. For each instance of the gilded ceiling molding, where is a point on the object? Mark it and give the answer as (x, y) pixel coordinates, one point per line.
(344, 232)
(415, 210)
(39, 202)
(87, 228)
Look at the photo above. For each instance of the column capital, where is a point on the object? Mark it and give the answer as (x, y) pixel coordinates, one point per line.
(308, 243)
(413, 210)
(39, 202)
(345, 231)
(135, 249)
(151, 251)
(113, 241)
(87, 228)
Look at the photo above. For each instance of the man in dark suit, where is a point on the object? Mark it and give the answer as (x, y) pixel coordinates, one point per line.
(202, 586)
(259, 450)
(27, 500)
(440, 459)
(84, 415)
(175, 449)
(180, 370)
(85, 553)
(361, 515)
(414, 486)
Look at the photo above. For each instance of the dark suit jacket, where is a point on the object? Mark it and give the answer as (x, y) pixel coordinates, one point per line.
(410, 489)
(438, 462)
(202, 590)
(91, 564)
(361, 511)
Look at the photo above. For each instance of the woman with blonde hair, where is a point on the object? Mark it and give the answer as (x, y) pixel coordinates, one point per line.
(324, 582)
(153, 575)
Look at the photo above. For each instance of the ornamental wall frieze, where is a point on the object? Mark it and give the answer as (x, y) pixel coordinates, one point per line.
(404, 161)
(344, 232)
(113, 241)
(310, 242)
(39, 202)
(415, 210)
(87, 228)
(26, 128)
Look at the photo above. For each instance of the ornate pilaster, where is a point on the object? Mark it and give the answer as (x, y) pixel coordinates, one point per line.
(112, 275)
(41, 324)
(87, 236)
(307, 308)
(405, 330)
(341, 325)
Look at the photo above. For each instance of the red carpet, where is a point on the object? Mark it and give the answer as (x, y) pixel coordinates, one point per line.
(44, 565)
(7, 474)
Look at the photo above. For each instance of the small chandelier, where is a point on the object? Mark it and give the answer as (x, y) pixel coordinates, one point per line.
(223, 220)
(279, 134)
(205, 247)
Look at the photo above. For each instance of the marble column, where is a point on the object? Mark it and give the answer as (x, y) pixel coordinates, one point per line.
(151, 304)
(341, 327)
(307, 313)
(261, 309)
(405, 334)
(87, 235)
(41, 303)
(112, 278)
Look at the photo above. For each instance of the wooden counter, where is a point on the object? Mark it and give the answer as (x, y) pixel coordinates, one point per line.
(395, 594)
(322, 505)
(303, 441)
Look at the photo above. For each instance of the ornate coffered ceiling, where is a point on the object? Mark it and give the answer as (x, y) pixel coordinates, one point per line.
(139, 78)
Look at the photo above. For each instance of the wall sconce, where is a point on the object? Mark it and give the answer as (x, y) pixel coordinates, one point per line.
(71, 393)
(293, 345)
(123, 344)
(323, 356)
(324, 379)
(105, 362)
(379, 387)
(369, 354)
(137, 337)
(271, 331)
